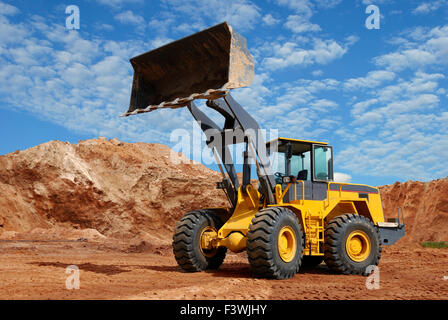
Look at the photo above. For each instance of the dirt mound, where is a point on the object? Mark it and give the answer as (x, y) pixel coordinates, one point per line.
(112, 188)
(135, 192)
(425, 206)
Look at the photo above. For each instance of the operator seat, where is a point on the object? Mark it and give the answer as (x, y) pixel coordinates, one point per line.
(302, 175)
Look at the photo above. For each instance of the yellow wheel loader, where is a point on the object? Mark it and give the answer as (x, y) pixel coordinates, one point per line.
(298, 216)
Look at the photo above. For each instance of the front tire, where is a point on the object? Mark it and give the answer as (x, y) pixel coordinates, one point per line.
(187, 242)
(351, 244)
(274, 244)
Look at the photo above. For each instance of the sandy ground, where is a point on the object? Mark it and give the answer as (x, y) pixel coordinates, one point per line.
(37, 270)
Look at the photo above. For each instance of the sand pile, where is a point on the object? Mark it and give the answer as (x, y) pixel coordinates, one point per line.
(106, 188)
(425, 206)
(100, 188)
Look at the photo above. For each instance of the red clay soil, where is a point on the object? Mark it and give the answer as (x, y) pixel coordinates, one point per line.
(425, 208)
(110, 208)
(100, 188)
(115, 271)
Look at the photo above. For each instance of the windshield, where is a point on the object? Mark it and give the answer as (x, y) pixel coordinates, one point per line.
(299, 164)
(278, 165)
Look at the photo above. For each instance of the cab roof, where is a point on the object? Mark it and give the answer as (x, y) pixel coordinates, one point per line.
(296, 140)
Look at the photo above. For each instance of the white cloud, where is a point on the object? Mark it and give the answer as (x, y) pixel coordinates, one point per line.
(128, 17)
(10, 33)
(241, 14)
(419, 102)
(81, 84)
(319, 85)
(270, 20)
(400, 131)
(371, 80)
(329, 123)
(118, 3)
(290, 54)
(361, 107)
(299, 24)
(376, 116)
(420, 83)
(351, 40)
(159, 41)
(412, 58)
(420, 50)
(328, 3)
(162, 25)
(323, 105)
(325, 51)
(417, 157)
(253, 97)
(367, 2)
(167, 23)
(7, 9)
(342, 177)
(188, 28)
(104, 26)
(302, 7)
(427, 7)
(295, 109)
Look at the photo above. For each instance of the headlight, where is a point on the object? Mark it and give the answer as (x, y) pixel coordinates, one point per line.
(286, 179)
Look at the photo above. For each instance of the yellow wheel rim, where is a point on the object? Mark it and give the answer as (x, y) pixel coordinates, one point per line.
(287, 244)
(358, 246)
(204, 241)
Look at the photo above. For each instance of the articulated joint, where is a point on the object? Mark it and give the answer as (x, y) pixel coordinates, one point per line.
(235, 241)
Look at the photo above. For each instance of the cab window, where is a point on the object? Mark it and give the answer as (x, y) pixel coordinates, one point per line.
(300, 166)
(323, 159)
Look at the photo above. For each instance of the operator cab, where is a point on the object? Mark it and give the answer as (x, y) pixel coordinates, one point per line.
(309, 161)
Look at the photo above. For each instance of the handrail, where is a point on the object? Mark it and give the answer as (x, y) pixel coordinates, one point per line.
(295, 190)
(341, 184)
(284, 191)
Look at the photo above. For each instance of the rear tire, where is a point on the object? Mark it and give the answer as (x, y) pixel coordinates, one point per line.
(351, 244)
(275, 243)
(187, 242)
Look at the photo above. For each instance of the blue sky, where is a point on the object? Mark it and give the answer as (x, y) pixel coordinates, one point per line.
(378, 96)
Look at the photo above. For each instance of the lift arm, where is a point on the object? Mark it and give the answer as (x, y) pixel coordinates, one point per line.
(239, 127)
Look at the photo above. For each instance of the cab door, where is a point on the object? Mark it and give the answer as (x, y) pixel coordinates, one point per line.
(322, 170)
